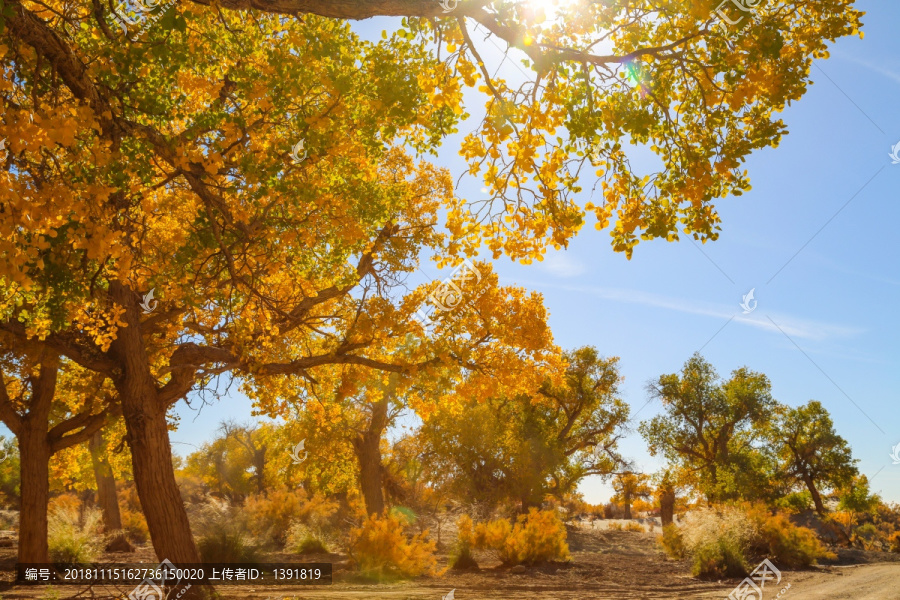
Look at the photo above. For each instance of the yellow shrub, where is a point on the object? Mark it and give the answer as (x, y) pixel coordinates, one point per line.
(65, 502)
(135, 526)
(672, 541)
(381, 549)
(894, 541)
(615, 527)
(537, 536)
(271, 516)
(787, 544)
(631, 526)
(461, 557)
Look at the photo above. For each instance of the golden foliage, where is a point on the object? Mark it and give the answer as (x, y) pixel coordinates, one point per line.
(271, 515)
(536, 537)
(381, 549)
(782, 541)
(672, 541)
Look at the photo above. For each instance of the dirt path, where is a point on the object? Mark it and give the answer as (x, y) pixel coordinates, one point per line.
(859, 582)
(605, 565)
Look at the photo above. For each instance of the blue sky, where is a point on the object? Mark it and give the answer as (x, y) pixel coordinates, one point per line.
(816, 238)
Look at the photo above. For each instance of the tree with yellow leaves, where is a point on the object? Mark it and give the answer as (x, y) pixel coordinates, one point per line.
(168, 163)
(48, 408)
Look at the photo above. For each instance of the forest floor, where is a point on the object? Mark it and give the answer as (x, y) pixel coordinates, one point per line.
(605, 564)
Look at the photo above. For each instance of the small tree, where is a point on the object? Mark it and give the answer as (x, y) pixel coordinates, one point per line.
(856, 500)
(810, 451)
(665, 493)
(711, 426)
(629, 487)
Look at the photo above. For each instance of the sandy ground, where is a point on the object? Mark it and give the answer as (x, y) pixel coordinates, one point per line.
(606, 564)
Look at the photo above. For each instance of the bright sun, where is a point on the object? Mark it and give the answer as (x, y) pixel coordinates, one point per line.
(550, 8)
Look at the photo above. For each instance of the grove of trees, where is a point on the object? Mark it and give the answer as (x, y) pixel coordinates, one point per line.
(161, 163)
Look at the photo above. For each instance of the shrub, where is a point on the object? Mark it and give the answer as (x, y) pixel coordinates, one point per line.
(461, 557)
(672, 541)
(868, 534)
(795, 503)
(723, 557)
(704, 526)
(536, 537)
(9, 519)
(894, 541)
(717, 540)
(632, 526)
(312, 538)
(133, 521)
(73, 538)
(381, 549)
(135, 526)
(789, 545)
(272, 515)
(615, 527)
(221, 533)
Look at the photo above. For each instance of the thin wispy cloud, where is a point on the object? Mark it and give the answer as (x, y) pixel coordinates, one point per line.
(562, 265)
(798, 327)
(894, 75)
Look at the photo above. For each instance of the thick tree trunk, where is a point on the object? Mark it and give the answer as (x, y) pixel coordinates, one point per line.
(367, 446)
(154, 478)
(817, 499)
(148, 437)
(106, 496)
(368, 453)
(667, 506)
(627, 504)
(34, 471)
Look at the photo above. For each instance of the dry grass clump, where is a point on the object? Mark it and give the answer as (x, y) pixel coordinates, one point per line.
(221, 533)
(74, 536)
(722, 541)
(718, 540)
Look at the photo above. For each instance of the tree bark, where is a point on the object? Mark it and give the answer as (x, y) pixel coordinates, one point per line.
(817, 499)
(148, 437)
(154, 478)
(667, 506)
(34, 471)
(106, 496)
(627, 504)
(367, 447)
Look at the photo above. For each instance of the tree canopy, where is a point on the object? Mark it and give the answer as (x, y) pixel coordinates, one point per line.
(161, 162)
